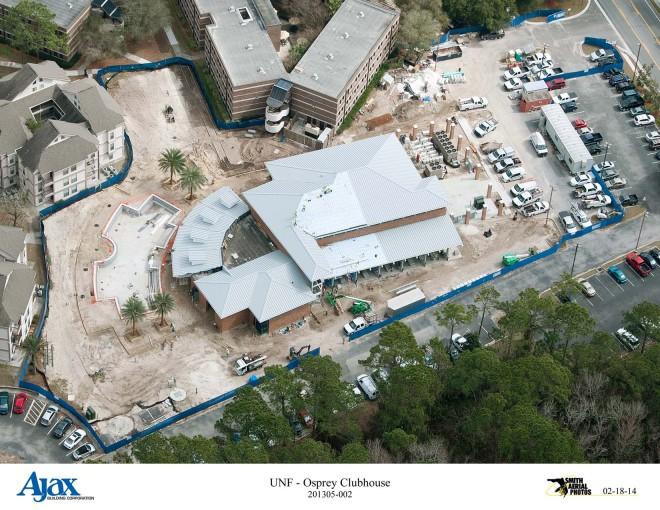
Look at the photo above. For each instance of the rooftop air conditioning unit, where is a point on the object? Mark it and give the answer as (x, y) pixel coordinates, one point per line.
(249, 47)
(232, 8)
(346, 36)
(361, 14)
(315, 76)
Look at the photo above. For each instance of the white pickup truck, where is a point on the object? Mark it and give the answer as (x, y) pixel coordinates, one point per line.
(565, 97)
(599, 200)
(535, 208)
(590, 188)
(472, 103)
(502, 153)
(528, 197)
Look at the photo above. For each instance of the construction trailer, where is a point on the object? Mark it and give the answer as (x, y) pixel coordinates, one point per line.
(570, 148)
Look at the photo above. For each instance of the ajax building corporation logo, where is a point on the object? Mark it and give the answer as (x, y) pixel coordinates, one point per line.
(42, 489)
(568, 487)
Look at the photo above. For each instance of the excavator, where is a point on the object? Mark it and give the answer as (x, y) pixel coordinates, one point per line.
(297, 354)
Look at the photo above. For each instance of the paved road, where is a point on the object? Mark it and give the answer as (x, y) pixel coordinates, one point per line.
(637, 21)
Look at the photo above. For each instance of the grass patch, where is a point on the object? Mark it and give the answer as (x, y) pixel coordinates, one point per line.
(182, 31)
(217, 104)
(375, 80)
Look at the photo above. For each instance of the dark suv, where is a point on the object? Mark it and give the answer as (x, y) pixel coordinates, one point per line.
(4, 402)
(492, 35)
(60, 428)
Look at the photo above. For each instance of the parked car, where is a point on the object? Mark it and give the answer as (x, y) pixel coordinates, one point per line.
(629, 341)
(485, 127)
(74, 438)
(568, 222)
(628, 200)
(618, 78)
(492, 35)
(599, 54)
(564, 297)
(605, 165)
(622, 86)
(513, 174)
(609, 174)
(587, 289)
(580, 179)
(355, 325)
(569, 107)
(652, 135)
(459, 341)
(594, 202)
(618, 275)
(643, 119)
(580, 217)
(4, 402)
(50, 413)
(83, 451)
(513, 84)
(60, 428)
(505, 163)
(585, 130)
(650, 261)
(556, 84)
(19, 403)
(655, 253)
(579, 123)
(590, 188)
(638, 110)
(611, 72)
(367, 384)
(617, 183)
(637, 263)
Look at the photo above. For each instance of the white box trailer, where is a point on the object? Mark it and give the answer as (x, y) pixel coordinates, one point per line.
(405, 301)
(570, 148)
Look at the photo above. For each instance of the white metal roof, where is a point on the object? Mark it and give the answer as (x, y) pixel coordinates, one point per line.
(348, 187)
(535, 86)
(566, 132)
(198, 244)
(268, 286)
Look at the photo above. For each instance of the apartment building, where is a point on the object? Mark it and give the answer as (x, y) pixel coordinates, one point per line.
(241, 42)
(56, 136)
(70, 17)
(17, 299)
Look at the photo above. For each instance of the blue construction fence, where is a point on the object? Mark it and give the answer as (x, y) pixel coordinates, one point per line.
(179, 61)
(616, 218)
(159, 426)
(549, 14)
(598, 43)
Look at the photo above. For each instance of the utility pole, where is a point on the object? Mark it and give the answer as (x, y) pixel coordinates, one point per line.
(639, 47)
(574, 257)
(607, 148)
(641, 227)
(547, 215)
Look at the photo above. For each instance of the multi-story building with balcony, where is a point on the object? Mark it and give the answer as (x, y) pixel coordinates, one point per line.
(241, 44)
(56, 136)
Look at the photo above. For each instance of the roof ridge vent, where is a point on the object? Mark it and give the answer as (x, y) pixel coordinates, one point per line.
(261, 70)
(360, 14)
(249, 47)
(315, 76)
(346, 35)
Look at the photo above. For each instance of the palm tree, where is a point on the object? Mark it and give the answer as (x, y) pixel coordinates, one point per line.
(163, 304)
(193, 178)
(133, 311)
(172, 161)
(31, 345)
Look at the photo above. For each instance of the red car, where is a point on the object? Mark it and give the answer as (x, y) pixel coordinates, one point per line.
(557, 83)
(579, 124)
(19, 403)
(637, 263)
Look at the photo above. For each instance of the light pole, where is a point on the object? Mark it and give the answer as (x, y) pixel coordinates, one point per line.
(607, 148)
(639, 47)
(641, 227)
(547, 215)
(574, 257)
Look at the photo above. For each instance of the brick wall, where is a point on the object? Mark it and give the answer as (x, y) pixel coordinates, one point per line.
(287, 318)
(237, 319)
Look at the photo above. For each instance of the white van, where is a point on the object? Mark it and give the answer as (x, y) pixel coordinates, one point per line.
(538, 142)
(367, 384)
(521, 187)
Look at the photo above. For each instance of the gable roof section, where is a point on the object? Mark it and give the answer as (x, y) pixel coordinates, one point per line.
(268, 286)
(96, 105)
(198, 244)
(15, 83)
(348, 187)
(333, 58)
(17, 283)
(38, 154)
(12, 242)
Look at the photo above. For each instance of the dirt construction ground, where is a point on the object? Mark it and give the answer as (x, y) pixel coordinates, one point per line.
(96, 363)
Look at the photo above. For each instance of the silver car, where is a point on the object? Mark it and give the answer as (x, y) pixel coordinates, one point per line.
(48, 415)
(75, 438)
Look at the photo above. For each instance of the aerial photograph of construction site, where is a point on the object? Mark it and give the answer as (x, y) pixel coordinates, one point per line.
(291, 231)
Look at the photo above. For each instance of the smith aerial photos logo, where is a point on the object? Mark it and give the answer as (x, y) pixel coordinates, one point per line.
(569, 487)
(42, 489)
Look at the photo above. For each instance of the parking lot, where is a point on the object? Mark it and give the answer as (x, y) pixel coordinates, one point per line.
(612, 299)
(25, 440)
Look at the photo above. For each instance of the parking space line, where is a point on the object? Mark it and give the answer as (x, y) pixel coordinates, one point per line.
(11, 411)
(605, 286)
(51, 429)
